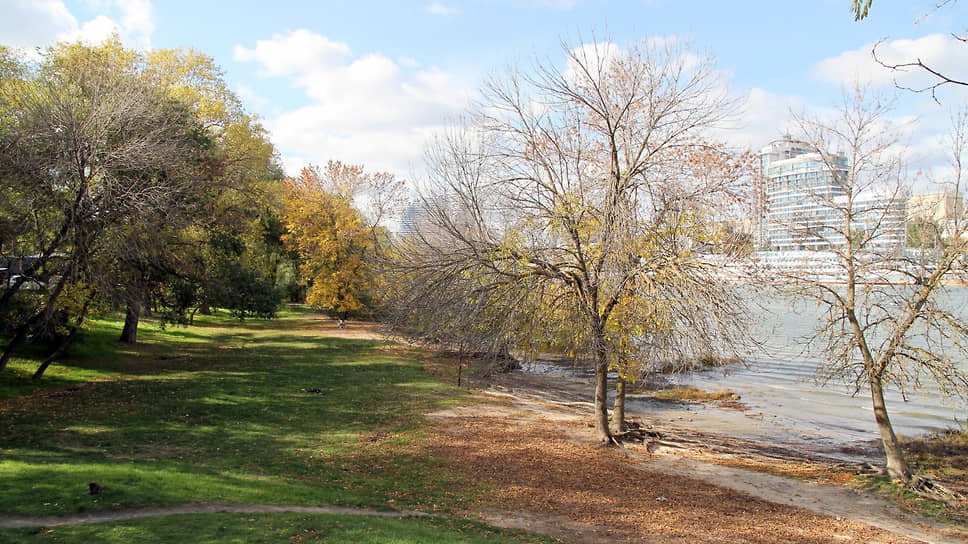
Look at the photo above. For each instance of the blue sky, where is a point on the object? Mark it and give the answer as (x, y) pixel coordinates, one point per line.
(367, 82)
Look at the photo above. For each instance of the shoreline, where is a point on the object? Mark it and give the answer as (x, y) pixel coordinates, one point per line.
(721, 424)
(551, 411)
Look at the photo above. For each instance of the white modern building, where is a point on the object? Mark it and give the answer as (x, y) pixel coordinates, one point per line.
(798, 185)
(801, 200)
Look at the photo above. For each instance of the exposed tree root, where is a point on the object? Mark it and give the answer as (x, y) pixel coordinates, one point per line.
(932, 489)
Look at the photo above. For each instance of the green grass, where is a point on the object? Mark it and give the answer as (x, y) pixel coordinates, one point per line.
(908, 500)
(265, 411)
(295, 528)
(940, 456)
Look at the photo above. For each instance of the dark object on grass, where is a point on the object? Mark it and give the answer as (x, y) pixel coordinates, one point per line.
(95, 488)
(65, 393)
(315, 390)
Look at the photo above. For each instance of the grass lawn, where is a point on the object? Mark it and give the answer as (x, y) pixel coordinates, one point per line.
(294, 528)
(265, 411)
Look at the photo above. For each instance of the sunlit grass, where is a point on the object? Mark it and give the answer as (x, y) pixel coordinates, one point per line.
(694, 394)
(217, 528)
(263, 411)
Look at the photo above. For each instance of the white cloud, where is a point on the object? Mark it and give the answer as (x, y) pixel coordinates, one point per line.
(408, 62)
(94, 31)
(296, 52)
(763, 117)
(941, 52)
(252, 97)
(589, 55)
(39, 23)
(29, 23)
(439, 8)
(136, 24)
(365, 109)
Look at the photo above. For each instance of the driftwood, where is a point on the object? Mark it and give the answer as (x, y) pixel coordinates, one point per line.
(932, 489)
(652, 439)
(639, 435)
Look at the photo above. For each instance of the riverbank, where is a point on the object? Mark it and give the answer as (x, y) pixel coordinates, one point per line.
(699, 465)
(296, 415)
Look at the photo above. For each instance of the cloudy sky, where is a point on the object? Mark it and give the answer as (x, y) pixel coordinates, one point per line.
(366, 82)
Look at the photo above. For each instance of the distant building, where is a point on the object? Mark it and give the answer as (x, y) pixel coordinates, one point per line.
(424, 218)
(413, 219)
(797, 187)
(798, 199)
(943, 209)
(884, 218)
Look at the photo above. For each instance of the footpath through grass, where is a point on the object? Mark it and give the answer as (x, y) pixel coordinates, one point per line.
(266, 411)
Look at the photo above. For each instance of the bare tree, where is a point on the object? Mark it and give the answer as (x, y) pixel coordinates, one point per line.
(884, 318)
(861, 9)
(574, 208)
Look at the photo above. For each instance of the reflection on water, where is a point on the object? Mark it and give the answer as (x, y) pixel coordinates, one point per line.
(785, 401)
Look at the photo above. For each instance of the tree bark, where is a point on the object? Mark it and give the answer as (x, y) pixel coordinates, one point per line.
(58, 353)
(601, 396)
(129, 334)
(66, 343)
(896, 466)
(18, 339)
(618, 412)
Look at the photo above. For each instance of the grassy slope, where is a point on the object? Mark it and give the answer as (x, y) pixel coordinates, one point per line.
(259, 412)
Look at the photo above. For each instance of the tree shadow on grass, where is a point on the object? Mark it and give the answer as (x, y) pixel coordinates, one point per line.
(271, 419)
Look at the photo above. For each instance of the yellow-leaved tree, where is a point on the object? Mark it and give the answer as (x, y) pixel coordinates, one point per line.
(333, 239)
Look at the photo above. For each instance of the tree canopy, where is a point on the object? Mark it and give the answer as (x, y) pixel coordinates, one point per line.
(110, 160)
(336, 243)
(572, 211)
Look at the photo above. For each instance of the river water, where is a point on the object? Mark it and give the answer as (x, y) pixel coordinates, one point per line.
(786, 405)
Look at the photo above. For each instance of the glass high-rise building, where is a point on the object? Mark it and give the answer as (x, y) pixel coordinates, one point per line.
(796, 197)
(802, 198)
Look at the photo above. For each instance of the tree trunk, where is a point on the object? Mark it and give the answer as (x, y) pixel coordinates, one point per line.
(66, 343)
(18, 339)
(129, 334)
(896, 466)
(58, 353)
(601, 396)
(24, 329)
(618, 412)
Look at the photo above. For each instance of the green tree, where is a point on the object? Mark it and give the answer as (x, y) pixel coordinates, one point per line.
(90, 144)
(190, 258)
(181, 258)
(134, 179)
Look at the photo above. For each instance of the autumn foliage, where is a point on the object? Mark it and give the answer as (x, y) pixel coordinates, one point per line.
(331, 237)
